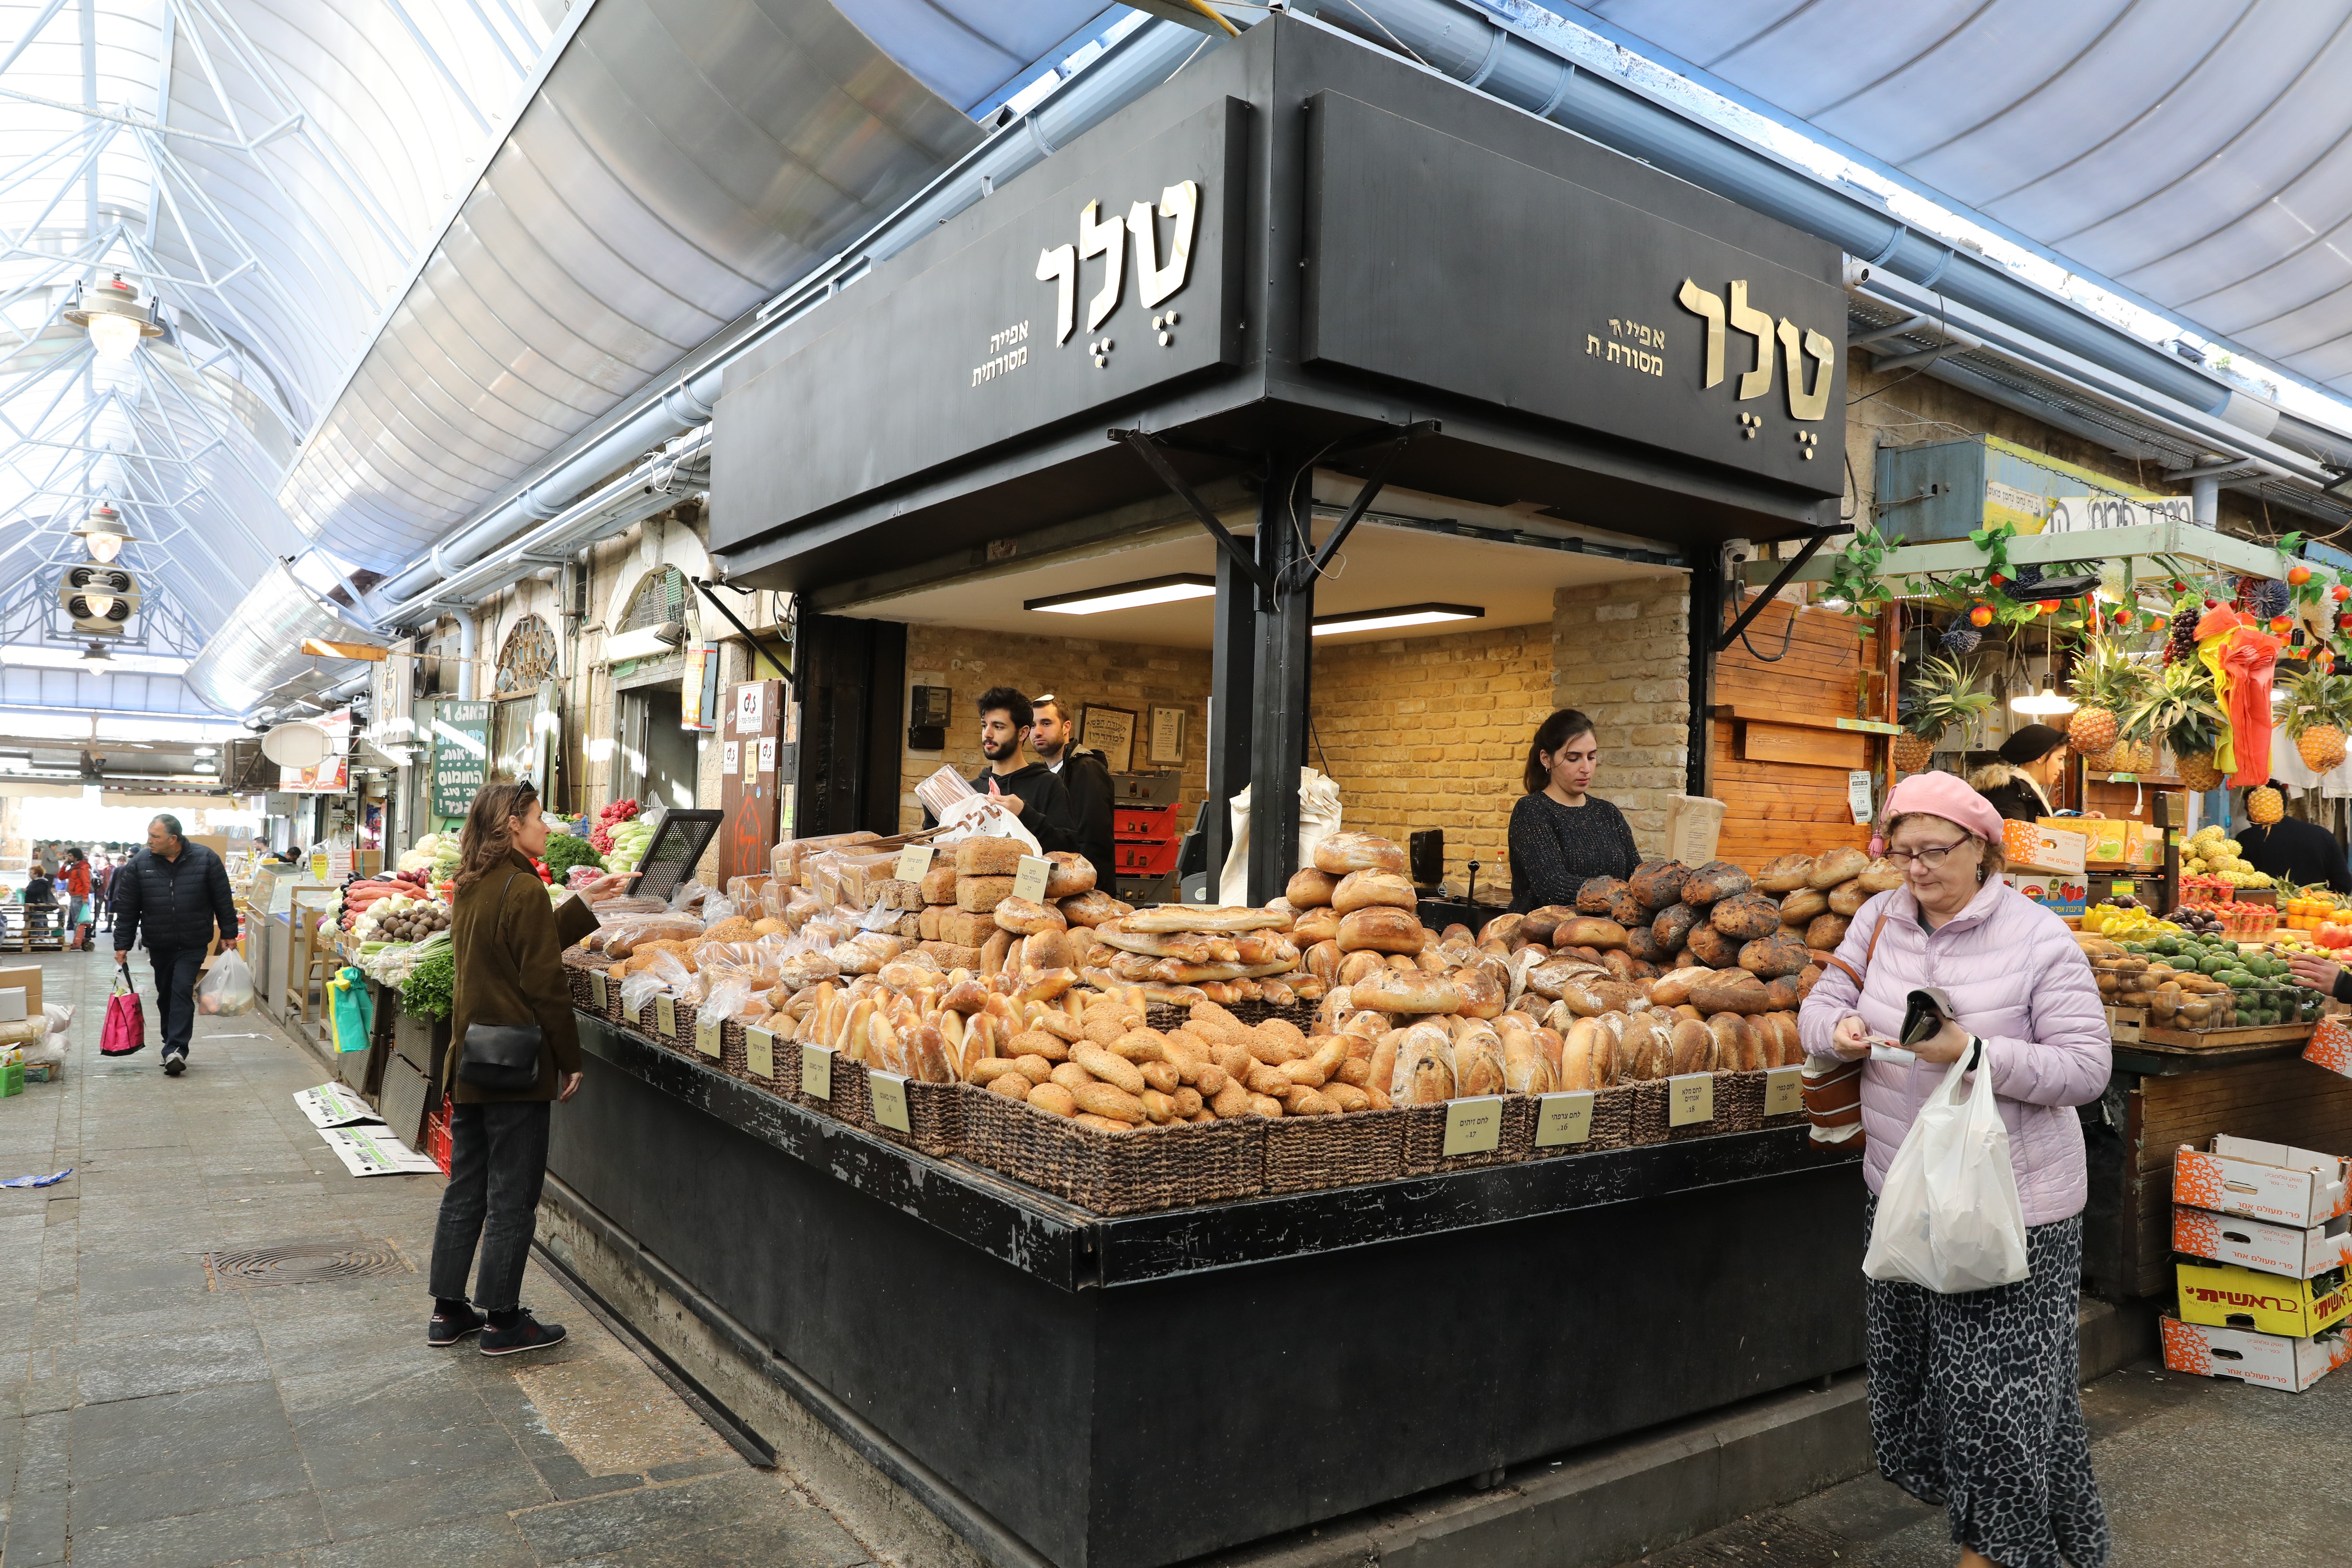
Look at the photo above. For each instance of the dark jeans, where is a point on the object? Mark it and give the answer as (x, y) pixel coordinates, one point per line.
(177, 970)
(497, 1158)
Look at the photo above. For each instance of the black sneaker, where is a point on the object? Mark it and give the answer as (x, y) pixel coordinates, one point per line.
(174, 1063)
(446, 1329)
(527, 1334)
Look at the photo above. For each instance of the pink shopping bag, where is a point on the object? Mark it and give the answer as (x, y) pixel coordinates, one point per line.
(125, 1033)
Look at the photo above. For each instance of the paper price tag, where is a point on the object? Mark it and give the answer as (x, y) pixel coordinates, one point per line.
(600, 991)
(913, 863)
(1564, 1118)
(1473, 1126)
(760, 1052)
(665, 1016)
(1857, 794)
(706, 1037)
(1784, 1090)
(752, 759)
(816, 1071)
(1690, 1098)
(1029, 882)
(889, 1090)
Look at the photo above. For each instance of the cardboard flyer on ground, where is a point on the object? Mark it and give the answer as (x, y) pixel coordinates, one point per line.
(334, 1105)
(373, 1151)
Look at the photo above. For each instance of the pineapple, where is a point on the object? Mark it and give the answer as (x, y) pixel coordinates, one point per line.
(2106, 685)
(2178, 708)
(2316, 715)
(1943, 694)
(2264, 805)
(2197, 772)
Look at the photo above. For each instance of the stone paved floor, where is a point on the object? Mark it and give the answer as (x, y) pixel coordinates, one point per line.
(147, 1417)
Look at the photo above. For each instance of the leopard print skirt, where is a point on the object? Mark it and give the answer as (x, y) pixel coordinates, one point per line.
(1973, 1404)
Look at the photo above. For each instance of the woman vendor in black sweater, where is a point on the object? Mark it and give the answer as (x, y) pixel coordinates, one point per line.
(1561, 837)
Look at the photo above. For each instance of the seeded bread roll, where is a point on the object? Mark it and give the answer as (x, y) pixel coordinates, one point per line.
(989, 858)
(938, 882)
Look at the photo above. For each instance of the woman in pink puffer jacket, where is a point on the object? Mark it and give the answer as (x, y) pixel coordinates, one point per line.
(1973, 1401)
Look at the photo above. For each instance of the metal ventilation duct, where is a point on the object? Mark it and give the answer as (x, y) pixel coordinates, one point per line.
(256, 663)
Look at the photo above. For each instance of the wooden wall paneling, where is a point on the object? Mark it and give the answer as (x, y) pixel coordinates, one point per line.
(1784, 807)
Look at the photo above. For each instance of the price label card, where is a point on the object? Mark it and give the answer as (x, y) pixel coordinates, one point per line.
(913, 863)
(601, 990)
(752, 759)
(760, 1052)
(1029, 882)
(665, 1016)
(1564, 1118)
(1857, 794)
(706, 1037)
(889, 1092)
(1690, 1098)
(816, 1071)
(1784, 1090)
(1473, 1126)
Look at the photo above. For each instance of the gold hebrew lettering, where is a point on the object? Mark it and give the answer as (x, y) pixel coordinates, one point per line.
(1758, 324)
(1108, 241)
(1154, 282)
(1804, 405)
(1591, 342)
(1059, 265)
(1699, 302)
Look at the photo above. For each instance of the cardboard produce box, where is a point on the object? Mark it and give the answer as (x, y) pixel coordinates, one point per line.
(2109, 839)
(2038, 846)
(2241, 1355)
(2298, 1251)
(11, 1004)
(2331, 1046)
(2061, 895)
(2275, 1182)
(2224, 1295)
(26, 977)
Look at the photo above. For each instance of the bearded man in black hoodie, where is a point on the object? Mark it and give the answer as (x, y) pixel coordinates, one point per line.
(1029, 790)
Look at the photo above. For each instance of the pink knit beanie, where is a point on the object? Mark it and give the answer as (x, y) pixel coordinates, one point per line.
(1938, 795)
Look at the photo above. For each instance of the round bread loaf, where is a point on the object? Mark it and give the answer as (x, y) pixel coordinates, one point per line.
(1825, 932)
(1072, 873)
(1716, 881)
(1881, 876)
(1672, 928)
(1711, 947)
(1628, 910)
(1357, 967)
(1840, 865)
(1802, 905)
(1380, 928)
(1659, 883)
(1782, 993)
(1323, 960)
(1642, 943)
(1373, 889)
(1744, 917)
(1598, 894)
(1785, 875)
(1584, 930)
(979, 894)
(989, 858)
(1318, 924)
(1723, 995)
(1537, 925)
(1394, 991)
(1309, 888)
(1092, 909)
(1342, 852)
(1504, 929)
(1847, 896)
(1773, 956)
(1048, 947)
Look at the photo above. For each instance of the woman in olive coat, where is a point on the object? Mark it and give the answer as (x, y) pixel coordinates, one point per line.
(508, 944)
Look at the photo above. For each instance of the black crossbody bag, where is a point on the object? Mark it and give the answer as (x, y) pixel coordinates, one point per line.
(500, 1057)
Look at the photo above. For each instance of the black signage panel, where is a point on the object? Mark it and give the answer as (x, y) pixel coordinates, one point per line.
(1445, 263)
(1113, 283)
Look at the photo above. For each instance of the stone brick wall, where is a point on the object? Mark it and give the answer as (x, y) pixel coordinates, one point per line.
(1620, 652)
(1079, 670)
(1430, 732)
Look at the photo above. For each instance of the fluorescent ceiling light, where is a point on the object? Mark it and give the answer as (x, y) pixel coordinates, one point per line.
(1129, 596)
(206, 768)
(208, 751)
(1395, 616)
(35, 658)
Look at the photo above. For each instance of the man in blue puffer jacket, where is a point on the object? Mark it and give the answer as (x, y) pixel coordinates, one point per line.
(177, 893)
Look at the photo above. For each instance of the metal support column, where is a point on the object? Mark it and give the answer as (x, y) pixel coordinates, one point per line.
(1278, 715)
(1233, 677)
(1706, 624)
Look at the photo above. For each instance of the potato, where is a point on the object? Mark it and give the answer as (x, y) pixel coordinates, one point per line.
(1109, 1066)
(1109, 1099)
(1053, 1097)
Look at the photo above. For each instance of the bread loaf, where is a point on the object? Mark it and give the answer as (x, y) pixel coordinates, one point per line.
(1672, 927)
(1825, 932)
(1344, 851)
(1309, 888)
(1478, 1063)
(1848, 897)
(982, 894)
(1711, 947)
(1673, 988)
(1628, 910)
(1659, 883)
(1538, 925)
(1587, 931)
(1729, 1032)
(1798, 908)
(1023, 916)
(1780, 995)
(1744, 917)
(1716, 881)
(1598, 894)
(969, 927)
(1320, 923)
(1381, 929)
(1207, 918)
(1092, 909)
(1642, 943)
(1693, 1047)
(1780, 953)
(1840, 865)
(1373, 889)
(1504, 929)
(1072, 873)
(1881, 876)
(938, 882)
(1786, 874)
(989, 858)
(1725, 994)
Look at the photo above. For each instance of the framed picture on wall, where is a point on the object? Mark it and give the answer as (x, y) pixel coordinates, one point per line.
(1168, 734)
(1112, 732)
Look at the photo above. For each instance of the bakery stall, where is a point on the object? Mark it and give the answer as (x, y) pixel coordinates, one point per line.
(1365, 343)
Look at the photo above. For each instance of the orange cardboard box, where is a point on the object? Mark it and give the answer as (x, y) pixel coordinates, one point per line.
(2037, 847)
(2241, 1355)
(2275, 1182)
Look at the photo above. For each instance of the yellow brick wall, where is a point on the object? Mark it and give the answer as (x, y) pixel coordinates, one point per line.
(1621, 653)
(1080, 670)
(1432, 733)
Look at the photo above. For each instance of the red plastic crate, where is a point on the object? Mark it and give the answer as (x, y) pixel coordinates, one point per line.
(436, 1138)
(1139, 858)
(1144, 822)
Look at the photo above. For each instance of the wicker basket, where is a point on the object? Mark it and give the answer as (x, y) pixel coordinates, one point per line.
(1116, 1173)
(578, 966)
(934, 1114)
(1739, 1108)
(1424, 1138)
(1306, 1152)
(1612, 1125)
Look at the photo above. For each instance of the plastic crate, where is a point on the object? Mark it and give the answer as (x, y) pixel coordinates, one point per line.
(1144, 821)
(436, 1138)
(1145, 857)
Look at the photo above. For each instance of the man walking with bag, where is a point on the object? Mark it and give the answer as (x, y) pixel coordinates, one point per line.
(177, 892)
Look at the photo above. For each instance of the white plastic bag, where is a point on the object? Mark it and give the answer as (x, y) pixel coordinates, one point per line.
(226, 990)
(1948, 1217)
(981, 817)
(1318, 818)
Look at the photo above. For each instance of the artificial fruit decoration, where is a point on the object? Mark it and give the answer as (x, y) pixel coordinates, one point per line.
(2297, 576)
(2105, 685)
(1982, 616)
(2340, 593)
(1945, 694)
